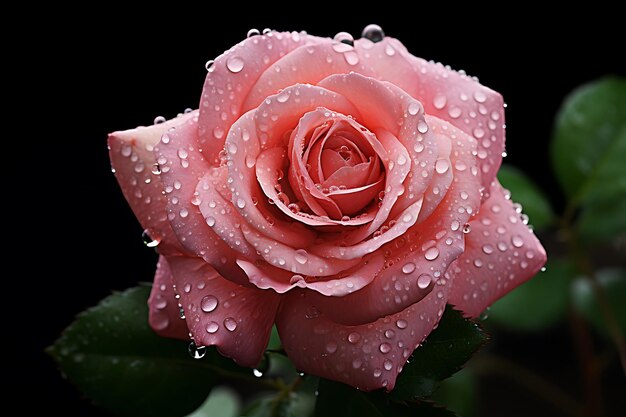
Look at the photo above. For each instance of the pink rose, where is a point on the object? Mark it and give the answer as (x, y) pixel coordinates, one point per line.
(344, 191)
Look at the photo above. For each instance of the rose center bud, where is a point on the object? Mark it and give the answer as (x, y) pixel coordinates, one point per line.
(334, 170)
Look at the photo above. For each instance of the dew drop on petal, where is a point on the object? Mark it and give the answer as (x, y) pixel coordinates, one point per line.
(424, 281)
(384, 347)
(331, 347)
(235, 64)
(230, 324)
(517, 241)
(441, 166)
(388, 364)
(196, 352)
(401, 324)
(431, 254)
(354, 337)
(414, 108)
(301, 256)
(209, 303)
(422, 127)
(440, 102)
(408, 267)
(212, 327)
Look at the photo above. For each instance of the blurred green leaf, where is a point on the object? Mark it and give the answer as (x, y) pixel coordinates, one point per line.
(603, 219)
(222, 402)
(111, 354)
(287, 402)
(339, 400)
(443, 353)
(587, 128)
(458, 392)
(588, 155)
(538, 303)
(274, 343)
(613, 284)
(525, 192)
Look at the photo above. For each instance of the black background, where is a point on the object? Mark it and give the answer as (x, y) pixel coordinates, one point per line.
(108, 70)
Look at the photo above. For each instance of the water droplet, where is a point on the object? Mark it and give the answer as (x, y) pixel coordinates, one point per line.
(210, 220)
(209, 303)
(257, 373)
(196, 352)
(187, 288)
(210, 65)
(388, 364)
(478, 262)
(517, 241)
(331, 347)
(373, 32)
(422, 127)
(414, 108)
(232, 148)
(384, 347)
(424, 281)
(267, 31)
(159, 119)
(432, 253)
(297, 279)
(480, 97)
(230, 324)
(156, 169)
(460, 165)
(454, 112)
(235, 64)
(241, 203)
(344, 37)
(467, 228)
(440, 102)
(151, 238)
(212, 327)
(389, 50)
(441, 166)
(390, 334)
(377, 373)
(354, 337)
(301, 256)
(253, 32)
(408, 267)
(488, 249)
(401, 324)
(184, 213)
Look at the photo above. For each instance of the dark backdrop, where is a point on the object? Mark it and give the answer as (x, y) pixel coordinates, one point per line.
(108, 70)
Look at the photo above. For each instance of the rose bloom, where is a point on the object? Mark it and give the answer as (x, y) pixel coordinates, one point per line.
(343, 190)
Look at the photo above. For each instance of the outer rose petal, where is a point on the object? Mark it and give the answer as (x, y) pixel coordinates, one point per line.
(446, 94)
(182, 166)
(368, 356)
(230, 81)
(133, 160)
(164, 314)
(236, 319)
(501, 252)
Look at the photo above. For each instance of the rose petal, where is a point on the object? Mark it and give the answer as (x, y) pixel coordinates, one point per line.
(248, 198)
(231, 79)
(312, 64)
(132, 158)
(368, 356)
(501, 253)
(182, 165)
(236, 319)
(423, 251)
(164, 315)
(449, 95)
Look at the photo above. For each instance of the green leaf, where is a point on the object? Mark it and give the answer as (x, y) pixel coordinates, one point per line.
(613, 284)
(339, 400)
(458, 393)
(603, 220)
(222, 401)
(111, 354)
(443, 353)
(286, 403)
(525, 192)
(587, 128)
(538, 303)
